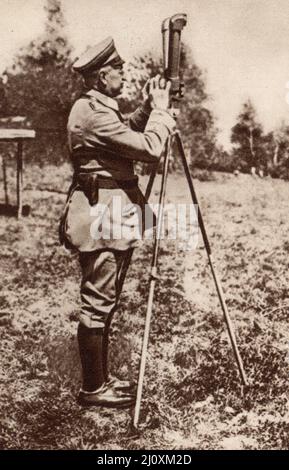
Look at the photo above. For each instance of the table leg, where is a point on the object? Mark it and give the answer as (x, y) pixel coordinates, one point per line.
(5, 181)
(19, 178)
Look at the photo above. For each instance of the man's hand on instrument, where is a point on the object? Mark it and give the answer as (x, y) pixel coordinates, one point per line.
(145, 96)
(145, 90)
(159, 93)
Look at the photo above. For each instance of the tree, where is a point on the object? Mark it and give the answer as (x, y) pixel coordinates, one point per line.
(41, 84)
(281, 144)
(276, 147)
(247, 135)
(51, 47)
(3, 96)
(196, 121)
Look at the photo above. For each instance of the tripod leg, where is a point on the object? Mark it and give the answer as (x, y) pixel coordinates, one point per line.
(153, 279)
(151, 182)
(209, 253)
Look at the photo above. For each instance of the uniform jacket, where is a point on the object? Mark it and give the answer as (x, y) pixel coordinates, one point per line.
(102, 145)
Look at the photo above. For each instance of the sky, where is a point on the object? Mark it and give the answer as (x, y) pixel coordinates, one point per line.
(241, 45)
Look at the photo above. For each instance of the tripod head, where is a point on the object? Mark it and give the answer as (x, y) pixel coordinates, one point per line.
(171, 31)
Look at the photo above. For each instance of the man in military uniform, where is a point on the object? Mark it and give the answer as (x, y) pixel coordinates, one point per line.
(103, 149)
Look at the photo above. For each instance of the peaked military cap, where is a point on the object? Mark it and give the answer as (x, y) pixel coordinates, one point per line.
(104, 53)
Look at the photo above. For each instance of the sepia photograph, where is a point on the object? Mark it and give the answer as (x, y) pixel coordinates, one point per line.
(144, 260)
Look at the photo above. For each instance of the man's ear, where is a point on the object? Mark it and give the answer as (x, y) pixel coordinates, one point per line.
(102, 77)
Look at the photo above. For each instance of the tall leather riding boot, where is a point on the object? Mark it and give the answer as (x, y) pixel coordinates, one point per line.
(122, 385)
(95, 391)
(105, 347)
(90, 342)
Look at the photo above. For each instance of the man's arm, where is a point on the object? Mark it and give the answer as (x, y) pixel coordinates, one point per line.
(139, 118)
(105, 130)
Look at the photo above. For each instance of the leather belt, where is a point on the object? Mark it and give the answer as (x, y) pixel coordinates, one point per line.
(105, 182)
(110, 183)
(90, 182)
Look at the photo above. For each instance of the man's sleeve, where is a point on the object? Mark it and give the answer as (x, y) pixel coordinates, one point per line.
(138, 120)
(105, 130)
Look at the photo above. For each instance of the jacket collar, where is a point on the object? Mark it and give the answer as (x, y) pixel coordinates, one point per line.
(103, 99)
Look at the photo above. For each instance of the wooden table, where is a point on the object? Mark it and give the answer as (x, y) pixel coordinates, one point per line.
(17, 136)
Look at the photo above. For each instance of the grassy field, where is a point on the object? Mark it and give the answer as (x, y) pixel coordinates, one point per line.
(192, 396)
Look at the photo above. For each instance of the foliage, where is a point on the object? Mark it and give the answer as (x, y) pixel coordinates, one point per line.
(51, 47)
(276, 152)
(196, 121)
(267, 153)
(3, 97)
(247, 135)
(42, 86)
